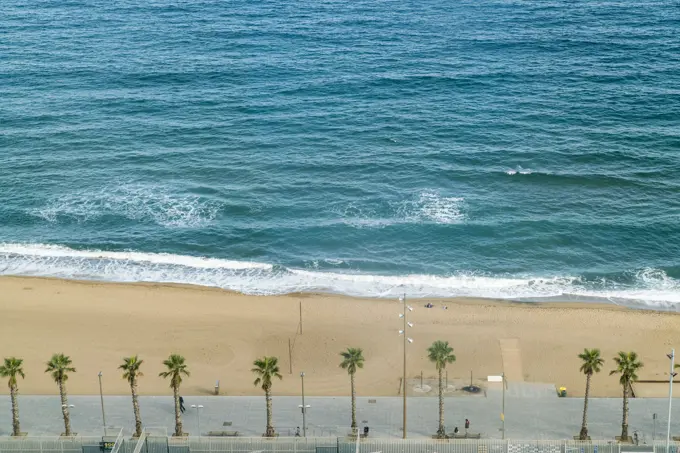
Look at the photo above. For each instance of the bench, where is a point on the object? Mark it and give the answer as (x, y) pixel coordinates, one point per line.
(223, 434)
(465, 436)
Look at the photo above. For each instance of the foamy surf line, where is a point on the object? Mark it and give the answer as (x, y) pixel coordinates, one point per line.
(652, 288)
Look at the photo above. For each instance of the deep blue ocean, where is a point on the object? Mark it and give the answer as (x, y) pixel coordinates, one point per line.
(496, 148)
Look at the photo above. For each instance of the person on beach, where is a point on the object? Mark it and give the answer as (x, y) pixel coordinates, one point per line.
(181, 404)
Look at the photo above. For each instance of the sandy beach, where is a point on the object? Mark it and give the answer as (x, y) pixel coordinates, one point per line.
(220, 333)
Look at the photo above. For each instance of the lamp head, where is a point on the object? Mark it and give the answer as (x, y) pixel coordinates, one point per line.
(410, 340)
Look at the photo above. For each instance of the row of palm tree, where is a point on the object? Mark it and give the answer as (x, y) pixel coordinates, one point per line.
(59, 367)
(266, 369)
(627, 366)
(176, 367)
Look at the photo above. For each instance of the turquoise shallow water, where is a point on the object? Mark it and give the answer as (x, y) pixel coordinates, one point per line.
(489, 148)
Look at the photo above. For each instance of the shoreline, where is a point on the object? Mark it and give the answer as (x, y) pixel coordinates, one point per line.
(221, 332)
(547, 302)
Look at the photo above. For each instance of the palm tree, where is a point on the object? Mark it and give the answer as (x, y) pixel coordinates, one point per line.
(11, 369)
(59, 366)
(440, 353)
(591, 365)
(266, 369)
(352, 359)
(131, 372)
(176, 368)
(627, 365)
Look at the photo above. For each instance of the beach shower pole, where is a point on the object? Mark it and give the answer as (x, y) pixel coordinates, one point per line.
(670, 396)
(407, 340)
(101, 396)
(654, 422)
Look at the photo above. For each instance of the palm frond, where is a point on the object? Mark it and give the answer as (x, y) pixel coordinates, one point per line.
(441, 354)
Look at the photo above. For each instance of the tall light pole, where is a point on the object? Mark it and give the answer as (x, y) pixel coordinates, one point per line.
(503, 405)
(303, 406)
(670, 396)
(407, 340)
(198, 416)
(101, 396)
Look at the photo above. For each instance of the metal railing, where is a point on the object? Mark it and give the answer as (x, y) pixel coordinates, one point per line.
(140, 442)
(118, 443)
(148, 443)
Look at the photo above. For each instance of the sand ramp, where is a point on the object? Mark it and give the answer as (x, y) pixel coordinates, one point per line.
(512, 359)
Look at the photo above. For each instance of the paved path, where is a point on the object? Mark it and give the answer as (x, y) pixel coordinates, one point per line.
(532, 412)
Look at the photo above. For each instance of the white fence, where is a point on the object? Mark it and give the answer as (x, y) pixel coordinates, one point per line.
(162, 444)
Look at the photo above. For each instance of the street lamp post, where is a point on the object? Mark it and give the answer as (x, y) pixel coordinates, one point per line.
(101, 396)
(407, 340)
(198, 416)
(672, 375)
(303, 406)
(503, 405)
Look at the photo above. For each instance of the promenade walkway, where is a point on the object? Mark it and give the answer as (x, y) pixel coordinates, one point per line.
(531, 413)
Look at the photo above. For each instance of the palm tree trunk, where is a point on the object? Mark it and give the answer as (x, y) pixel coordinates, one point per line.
(354, 403)
(178, 418)
(16, 429)
(270, 428)
(135, 407)
(441, 432)
(584, 425)
(64, 408)
(624, 423)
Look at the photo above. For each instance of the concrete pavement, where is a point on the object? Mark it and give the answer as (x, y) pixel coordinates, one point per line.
(531, 413)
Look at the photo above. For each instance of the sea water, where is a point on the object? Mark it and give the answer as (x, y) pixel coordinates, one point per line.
(497, 148)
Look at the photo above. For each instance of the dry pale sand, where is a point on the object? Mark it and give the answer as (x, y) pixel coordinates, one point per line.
(221, 333)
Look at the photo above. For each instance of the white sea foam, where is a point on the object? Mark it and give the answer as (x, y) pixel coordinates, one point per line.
(651, 287)
(56, 252)
(133, 201)
(427, 206)
(430, 206)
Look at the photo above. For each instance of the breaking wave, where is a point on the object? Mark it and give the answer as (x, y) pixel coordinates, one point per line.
(424, 207)
(133, 202)
(519, 170)
(651, 288)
